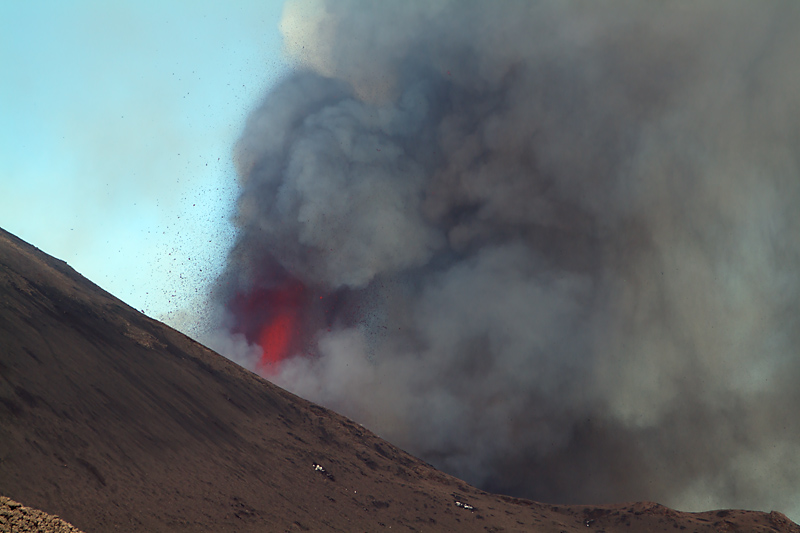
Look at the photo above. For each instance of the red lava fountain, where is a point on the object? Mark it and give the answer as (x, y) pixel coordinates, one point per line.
(275, 338)
(272, 320)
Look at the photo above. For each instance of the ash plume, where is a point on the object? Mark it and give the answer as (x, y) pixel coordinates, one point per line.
(550, 247)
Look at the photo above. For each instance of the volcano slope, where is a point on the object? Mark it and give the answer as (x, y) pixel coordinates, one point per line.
(114, 421)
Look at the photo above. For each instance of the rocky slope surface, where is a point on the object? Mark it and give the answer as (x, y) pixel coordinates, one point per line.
(115, 421)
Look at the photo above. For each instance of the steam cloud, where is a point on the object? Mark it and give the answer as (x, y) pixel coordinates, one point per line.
(550, 247)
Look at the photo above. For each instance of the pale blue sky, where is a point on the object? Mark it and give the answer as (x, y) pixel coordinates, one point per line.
(118, 119)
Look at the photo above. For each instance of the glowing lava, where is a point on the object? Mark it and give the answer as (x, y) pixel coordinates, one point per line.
(275, 338)
(271, 318)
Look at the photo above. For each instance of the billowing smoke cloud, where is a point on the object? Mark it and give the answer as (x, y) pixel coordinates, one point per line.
(551, 247)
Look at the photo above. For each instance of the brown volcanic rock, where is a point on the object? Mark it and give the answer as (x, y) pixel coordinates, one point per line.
(15, 517)
(117, 422)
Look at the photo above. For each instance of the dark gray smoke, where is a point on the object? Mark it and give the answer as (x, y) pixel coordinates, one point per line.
(551, 247)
